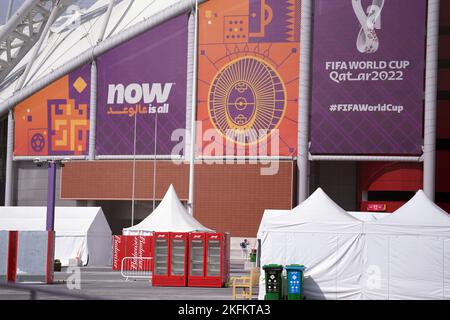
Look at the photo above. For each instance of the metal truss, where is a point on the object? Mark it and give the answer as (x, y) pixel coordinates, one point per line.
(21, 32)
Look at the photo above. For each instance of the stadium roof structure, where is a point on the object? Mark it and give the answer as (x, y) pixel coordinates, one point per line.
(83, 31)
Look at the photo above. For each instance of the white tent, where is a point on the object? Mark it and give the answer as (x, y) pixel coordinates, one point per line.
(170, 215)
(402, 255)
(319, 234)
(408, 253)
(80, 231)
(368, 216)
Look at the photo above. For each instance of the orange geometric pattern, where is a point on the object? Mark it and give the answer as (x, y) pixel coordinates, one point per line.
(55, 120)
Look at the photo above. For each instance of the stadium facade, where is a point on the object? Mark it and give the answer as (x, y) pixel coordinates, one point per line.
(117, 103)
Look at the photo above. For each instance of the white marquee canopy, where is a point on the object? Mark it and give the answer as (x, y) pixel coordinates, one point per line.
(169, 216)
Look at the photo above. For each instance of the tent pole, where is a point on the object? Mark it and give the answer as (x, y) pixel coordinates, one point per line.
(429, 163)
(304, 101)
(193, 116)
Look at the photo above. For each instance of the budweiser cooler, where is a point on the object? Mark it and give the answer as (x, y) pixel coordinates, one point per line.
(178, 259)
(209, 259)
(170, 259)
(196, 275)
(217, 259)
(160, 258)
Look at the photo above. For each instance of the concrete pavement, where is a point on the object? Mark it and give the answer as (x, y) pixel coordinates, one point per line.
(107, 284)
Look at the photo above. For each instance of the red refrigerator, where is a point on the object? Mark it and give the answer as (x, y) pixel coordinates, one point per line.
(178, 247)
(170, 259)
(197, 242)
(210, 265)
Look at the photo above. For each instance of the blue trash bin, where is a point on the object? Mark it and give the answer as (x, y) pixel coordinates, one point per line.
(294, 281)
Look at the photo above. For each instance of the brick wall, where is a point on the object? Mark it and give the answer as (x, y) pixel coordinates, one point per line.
(228, 197)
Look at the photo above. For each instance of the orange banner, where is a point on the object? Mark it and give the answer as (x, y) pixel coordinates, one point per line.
(248, 77)
(55, 120)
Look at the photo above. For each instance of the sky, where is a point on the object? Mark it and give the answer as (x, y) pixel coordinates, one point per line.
(4, 8)
(18, 3)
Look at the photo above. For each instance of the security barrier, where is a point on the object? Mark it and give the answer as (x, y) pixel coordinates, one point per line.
(136, 267)
(27, 256)
(4, 255)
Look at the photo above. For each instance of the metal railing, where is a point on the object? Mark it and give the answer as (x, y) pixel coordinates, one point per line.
(35, 290)
(136, 267)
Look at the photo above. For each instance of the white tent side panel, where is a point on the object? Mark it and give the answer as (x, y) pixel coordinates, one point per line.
(376, 267)
(273, 251)
(416, 268)
(100, 249)
(99, 241)
(332, 262)
(324, 238)
(70, 247)
(349, 263)
(447, 268)
(406, 254)
(403, 267)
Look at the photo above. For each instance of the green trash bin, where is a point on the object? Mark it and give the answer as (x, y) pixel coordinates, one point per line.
(294, 281)
(57, 265)
(273, 281)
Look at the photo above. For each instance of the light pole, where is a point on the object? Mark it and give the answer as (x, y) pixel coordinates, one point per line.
(52, 166)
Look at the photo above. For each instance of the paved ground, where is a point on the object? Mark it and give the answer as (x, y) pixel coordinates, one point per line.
(107, 284)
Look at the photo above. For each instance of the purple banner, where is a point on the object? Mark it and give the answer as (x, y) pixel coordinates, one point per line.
(368, 76)
(143, 83)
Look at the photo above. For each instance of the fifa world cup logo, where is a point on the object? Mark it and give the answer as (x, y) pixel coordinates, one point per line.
(370, 21)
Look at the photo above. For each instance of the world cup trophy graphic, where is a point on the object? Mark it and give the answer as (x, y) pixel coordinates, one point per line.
(370, 21)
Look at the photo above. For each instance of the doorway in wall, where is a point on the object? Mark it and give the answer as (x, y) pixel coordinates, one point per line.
(339, 181)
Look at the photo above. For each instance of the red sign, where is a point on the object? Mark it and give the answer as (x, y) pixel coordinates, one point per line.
(377, 207)
(131, 246)
(118, 251)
